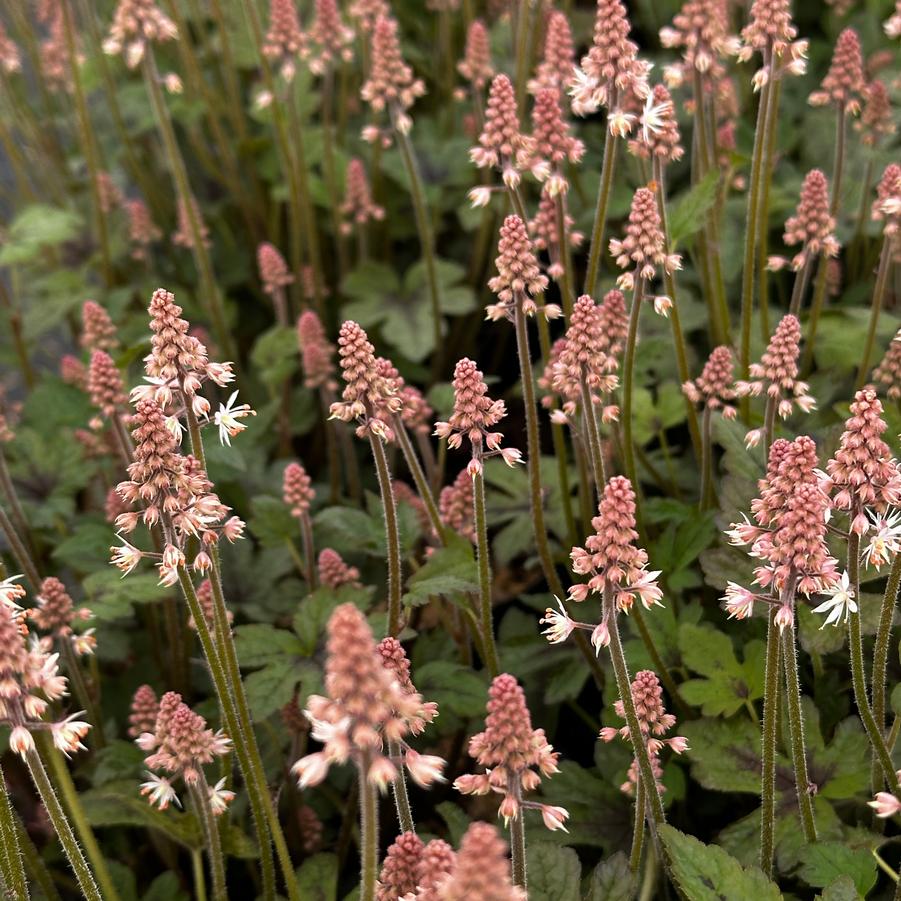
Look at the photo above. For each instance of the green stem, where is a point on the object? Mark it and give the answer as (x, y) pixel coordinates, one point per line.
(567, 282)
(656, 815)
(796, 730)
(399, 788)
(11, 866)
(392, 535)
(638, 828)
(799, 289)
(885, 265)
(518, 849)
(881, 648)
(20, 553)
(309, 554)
(600, 214)
(628, 383)
(62, 828)
(199, 879)
(764, 199)
(81, 691)
(768, 755)
(11, 497)
(369, 848)
(419, 477)
(487, 623)
(200, 797)
(816, 307)
(706, 460)
(592, 436)
(838, 164)
(424, 227)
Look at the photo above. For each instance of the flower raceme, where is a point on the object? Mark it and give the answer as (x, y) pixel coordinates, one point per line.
(515, 756)
(137, 24)
(714, 386)
(366, 706)
(812, 226)
(519, 281)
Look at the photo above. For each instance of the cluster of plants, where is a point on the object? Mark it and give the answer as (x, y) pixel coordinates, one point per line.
(447, 451)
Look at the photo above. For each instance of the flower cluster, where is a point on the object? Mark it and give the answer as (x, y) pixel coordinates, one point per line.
(653, 721)
(330, 39)
(844, 82)
(771, 32)
(502, 144)
(473, 416)
(658, 134)
(476, 66)
(888, 373)
(714, 386)
(137, 24)
(98, 331)
(555, 71)
(285, 41)
(358, 207)
(334, 572)
(316, 352)
(701, 31)
(552, 146)
(519, 279)
(181, 745)
(812, 226)
(274, 273)
(455, 506)
(515, 755)
(142, 231)
(366, 707)
(543, 228)
(55, 613)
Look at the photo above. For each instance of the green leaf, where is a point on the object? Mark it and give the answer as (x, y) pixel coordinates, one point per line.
(456, 819)
(554, 872)
(825, 862)
(456, 688)
(271, 522)
(689, 212)
(348, 529)
(708, 873)
(271, 687)
(317, 878)
(612, 880)
(315, 610)
(36, 227)
(112, 596)
(275, 356)
(87, 547)
(725, 754)
(259, 644)
(449, 571)
(165, 888)
(843, 889)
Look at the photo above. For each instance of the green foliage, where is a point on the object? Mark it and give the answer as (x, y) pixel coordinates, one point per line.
(612, 880)
(554, 872)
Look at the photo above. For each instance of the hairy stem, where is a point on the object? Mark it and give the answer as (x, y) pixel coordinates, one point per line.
(399, 788)
(768, 755)
(628, 384)
(369, 848)
(885, 265)
(200, 797)
(881, 648)
(611, 143)
(392, 534)
(485, 617)
(638, 828)
(12, 869)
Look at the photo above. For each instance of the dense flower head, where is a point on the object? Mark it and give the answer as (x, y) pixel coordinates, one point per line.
(611, 70)
(614, 319)
(892, 25)
(887, 374)
(644, 246)
(358, 207)
(366, 13)
(555, 71)
(863, 475)
(812, 226)
(582, 358)
(515, 756)
(653, 721)
(455, 506)
(316, 352)
(54, 55)
(145, 707)
(714, 386)
(611, 557)
(391, 83)
(55, 611)
(476, 66)
(876, 121)
(105, 384)
(435, 864)
(400, 868)
(658, 135)
(518, 277)
(546, 235)
(183, 236)
(274, 273)
(330, 40)
(30, 682)
(481, 869)
(310, 828)
(10, 59)
(334, 572)
(142, 231)
(181, 744)
(365, 707)
(137, 23)
(368, 397)
(297, 489)
(285, 41)
(887, 207)
(394, 659)
(501, 142)
(552, 146)
(110, 196)
(844, 82)
(776, 375)
(473, 416)
(771, 32)
(701, 31)
(73, 372)
(98, 332)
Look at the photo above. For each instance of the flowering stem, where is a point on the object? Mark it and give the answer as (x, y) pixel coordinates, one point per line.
(751, 227)
(621, 670)
(81, 691)
(62, 828)
(838, 164)
(762, 238)
(816, 307)
(518, 848)
(880, 649)
(424, 226)
(799, 289)
(199, 879)
(200, 797)
(328, 165)
(628, 383)
(88, 140)
(590, 428)
(179, 172)
(392, 534)
(611, 143)
(638, 828)
(769, 425)
(796, 729)
(487, 623)
(12, 869)
(768, 755)
(885, 265)
(567, 282)
(369, 826)
(20, 552)
(706, 460)
(419, 477)
(309, 555)
(874, 733)
(399, 787)
(8, 490)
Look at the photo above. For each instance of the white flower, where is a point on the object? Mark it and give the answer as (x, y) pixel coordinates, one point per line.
(424, 769)
(886, 540)
(160, 791)
(554, 817)
(10, 592)
(228, 416)
(739, 600)
(559, 625)
(653, 117)
(68, 733)
(126, 557)
(840, 602)
(220, 798)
